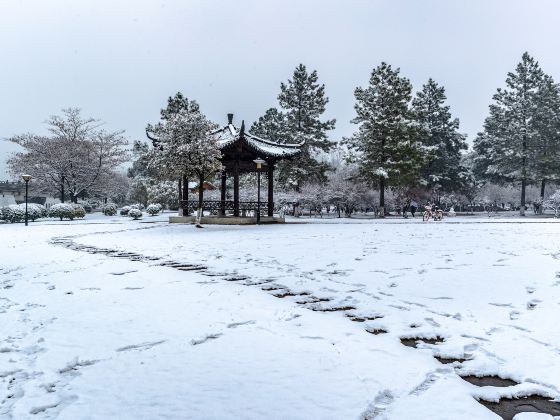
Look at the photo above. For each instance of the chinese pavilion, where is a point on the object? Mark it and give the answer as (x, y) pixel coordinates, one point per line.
(239, 150)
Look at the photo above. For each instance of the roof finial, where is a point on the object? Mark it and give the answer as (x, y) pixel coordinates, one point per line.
(242, 131)
(230, 118)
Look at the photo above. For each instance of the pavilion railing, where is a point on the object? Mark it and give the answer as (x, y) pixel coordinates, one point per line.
(214, 207)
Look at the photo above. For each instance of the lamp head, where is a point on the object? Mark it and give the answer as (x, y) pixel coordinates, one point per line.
(26, 178)
(260, 162)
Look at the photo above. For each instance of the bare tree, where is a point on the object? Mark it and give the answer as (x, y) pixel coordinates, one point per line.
(75, 158)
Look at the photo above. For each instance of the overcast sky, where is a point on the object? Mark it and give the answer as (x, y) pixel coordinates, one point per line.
(120, 60)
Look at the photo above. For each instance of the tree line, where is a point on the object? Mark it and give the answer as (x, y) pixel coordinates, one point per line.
(405, 145)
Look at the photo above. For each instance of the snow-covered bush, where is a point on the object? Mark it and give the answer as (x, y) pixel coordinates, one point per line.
(109, 209)
(135, 214)
(124, 211)
(87, 207)
(137, 206)
(13, 213)
(79, 211)
(62, 211)
(153, 209)
(34, 211)
(553, 202)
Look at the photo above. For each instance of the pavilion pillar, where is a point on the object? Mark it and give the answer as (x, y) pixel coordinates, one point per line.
(223, 194)
(236, 188)
(270, 190)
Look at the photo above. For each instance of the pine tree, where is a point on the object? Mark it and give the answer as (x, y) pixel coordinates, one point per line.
(506, 148)
(547, 121)
(439, 132)
(271, 126)
(303, 100)
(385, 145)
(177, 103)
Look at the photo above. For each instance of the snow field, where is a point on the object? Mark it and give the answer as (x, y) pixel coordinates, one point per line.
(97, 336)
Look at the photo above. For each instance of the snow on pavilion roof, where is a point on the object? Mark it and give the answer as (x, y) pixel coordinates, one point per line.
(229, 135)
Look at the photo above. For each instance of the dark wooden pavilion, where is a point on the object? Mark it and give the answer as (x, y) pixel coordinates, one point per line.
(239, 150)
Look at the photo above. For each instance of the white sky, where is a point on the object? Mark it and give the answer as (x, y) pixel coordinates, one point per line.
(120, 60)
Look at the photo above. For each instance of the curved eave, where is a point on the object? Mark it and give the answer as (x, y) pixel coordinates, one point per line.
(229, 135)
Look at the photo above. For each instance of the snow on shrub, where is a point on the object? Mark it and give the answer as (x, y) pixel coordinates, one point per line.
(109, 209)
(153, 209)
(135, 214)
(34, 211)
(137, 206)
(553, 202)
(125, 210)
(62, 211)
(79, 211)
(13, 213)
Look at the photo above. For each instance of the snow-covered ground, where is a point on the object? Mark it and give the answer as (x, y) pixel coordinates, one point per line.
(257, 321)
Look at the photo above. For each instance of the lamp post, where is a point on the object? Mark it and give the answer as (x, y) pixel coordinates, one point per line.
(26, 178)
(259, 163)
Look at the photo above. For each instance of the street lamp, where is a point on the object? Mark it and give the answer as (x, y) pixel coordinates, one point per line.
(26, 178)
(259, 163)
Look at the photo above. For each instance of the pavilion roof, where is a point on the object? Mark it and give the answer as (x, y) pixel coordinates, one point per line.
(230, 135)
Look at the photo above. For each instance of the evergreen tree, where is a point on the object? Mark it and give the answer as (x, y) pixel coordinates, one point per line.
(439, 132)
(385, 145)
(177, 103)
(271, 126)
(547, 121)
(303, 100)
(507, 147)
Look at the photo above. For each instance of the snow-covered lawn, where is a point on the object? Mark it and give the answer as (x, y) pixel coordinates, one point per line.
(292, 321)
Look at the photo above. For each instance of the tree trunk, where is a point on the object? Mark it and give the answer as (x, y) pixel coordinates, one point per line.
(185, 195)
(200, 192)
(524, 174)
(382, 197)
(523, 187)
(62, 190)
(179, 192)
(543, 187)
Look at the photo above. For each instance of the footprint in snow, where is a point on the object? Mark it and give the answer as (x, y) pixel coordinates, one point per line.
(142, 346)
(238, 324)
(532, 304)
(197, 341)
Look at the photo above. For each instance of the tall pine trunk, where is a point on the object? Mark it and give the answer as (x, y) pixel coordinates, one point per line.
(382, 197)
(524, 174)
(523, 187)
(543, 187)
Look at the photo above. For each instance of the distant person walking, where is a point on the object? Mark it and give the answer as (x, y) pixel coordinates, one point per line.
(413, 207)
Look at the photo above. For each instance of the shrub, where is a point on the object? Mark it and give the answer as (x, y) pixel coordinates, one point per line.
(79, 211)
(87, 207)
(153, 209)
(34, 211)
(135, 214)
(109, 209)
(138, 206)
(62, 211)
(125, 210)
(13, 213)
